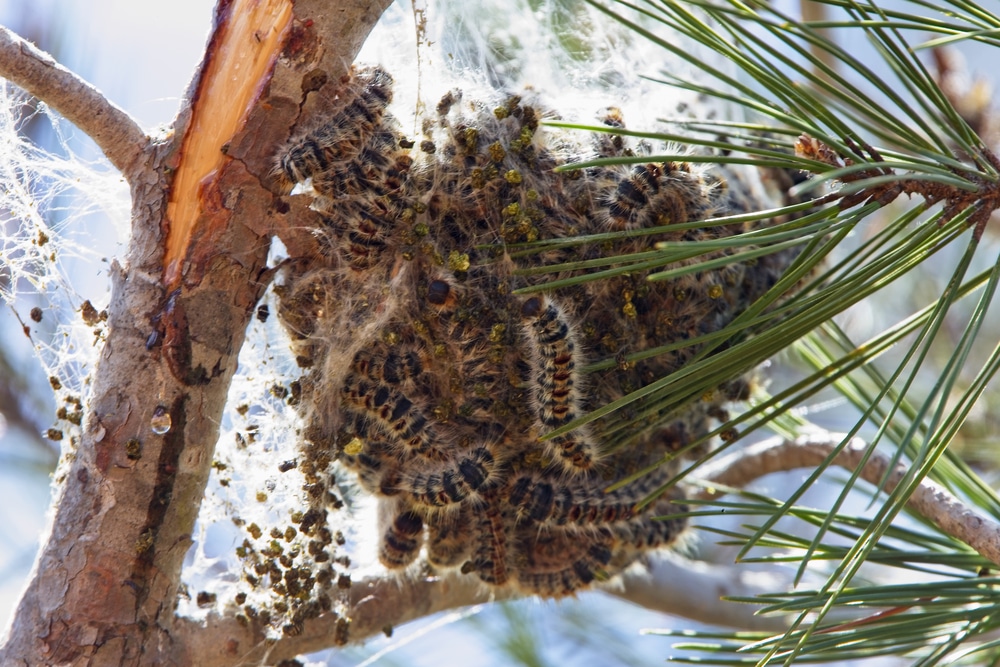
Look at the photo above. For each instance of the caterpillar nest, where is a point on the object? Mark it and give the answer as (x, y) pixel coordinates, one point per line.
(432, 380)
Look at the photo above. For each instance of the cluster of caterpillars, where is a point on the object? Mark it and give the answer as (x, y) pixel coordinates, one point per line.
(436, 384)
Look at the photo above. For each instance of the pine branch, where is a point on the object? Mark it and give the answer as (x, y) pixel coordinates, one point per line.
(114, 131)
(672, 585)
(375, 604)
(930, 500)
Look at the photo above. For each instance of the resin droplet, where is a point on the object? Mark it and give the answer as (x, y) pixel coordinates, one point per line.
(354, 447)
(160, 423)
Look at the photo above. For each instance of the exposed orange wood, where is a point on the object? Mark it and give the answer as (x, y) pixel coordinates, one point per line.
(238, 63)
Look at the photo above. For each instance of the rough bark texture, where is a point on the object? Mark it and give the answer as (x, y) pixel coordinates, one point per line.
(104, 587)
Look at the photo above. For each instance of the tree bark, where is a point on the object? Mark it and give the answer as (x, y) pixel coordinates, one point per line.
(103, 590)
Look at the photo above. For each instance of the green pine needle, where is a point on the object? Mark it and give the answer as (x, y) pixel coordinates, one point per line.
(869, 124)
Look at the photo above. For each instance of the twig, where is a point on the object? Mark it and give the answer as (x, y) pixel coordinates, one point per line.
(930, 500)
(815, 11)
(112, 129)
(984, 197)
(972, 99)
(13, 391)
